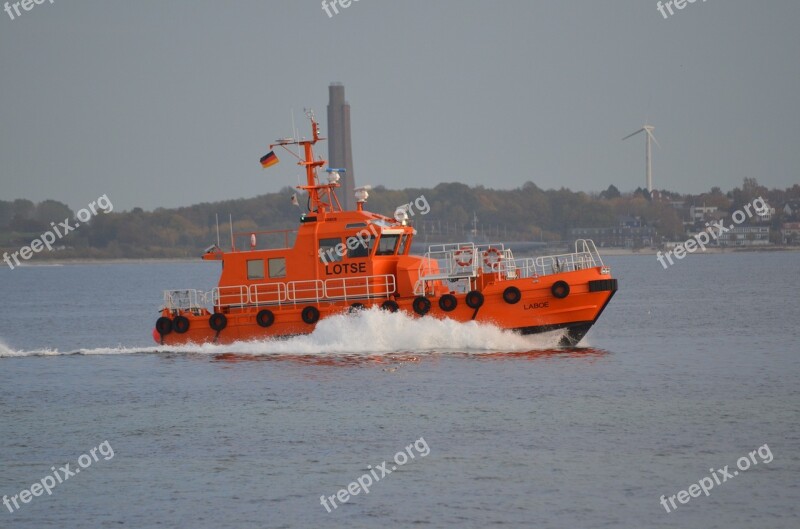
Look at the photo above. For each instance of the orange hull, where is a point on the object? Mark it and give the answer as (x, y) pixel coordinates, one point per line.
(538, 310)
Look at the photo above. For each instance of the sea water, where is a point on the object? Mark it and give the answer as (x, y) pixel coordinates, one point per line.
(688, 370)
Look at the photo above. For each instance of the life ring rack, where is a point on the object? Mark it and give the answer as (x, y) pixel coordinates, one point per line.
(492, 258)
(463, 256)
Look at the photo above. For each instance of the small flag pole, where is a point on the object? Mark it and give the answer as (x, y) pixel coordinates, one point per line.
(294, 134)
(230, 219)
(217, 216)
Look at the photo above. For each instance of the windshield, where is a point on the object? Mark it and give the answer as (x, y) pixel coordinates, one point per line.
(387, 244)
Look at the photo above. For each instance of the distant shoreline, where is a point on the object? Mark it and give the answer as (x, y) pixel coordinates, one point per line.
(603, 252)
(106, 260)
(651, 251)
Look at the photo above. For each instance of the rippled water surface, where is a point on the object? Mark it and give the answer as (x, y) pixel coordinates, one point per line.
(688, 370)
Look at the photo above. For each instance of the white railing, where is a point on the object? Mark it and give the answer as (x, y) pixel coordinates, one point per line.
(518, 268)
(231, 296)
(460, 260)
(268, 294)
(364, 287)
(460, 263)
(310, 290)
(240, 296)
(585, 256)
(187, 299)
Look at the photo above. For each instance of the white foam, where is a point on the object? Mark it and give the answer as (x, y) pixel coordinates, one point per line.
(366, 332)
(6, 351)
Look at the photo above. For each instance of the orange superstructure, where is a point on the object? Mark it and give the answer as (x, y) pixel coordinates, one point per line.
(339, 261)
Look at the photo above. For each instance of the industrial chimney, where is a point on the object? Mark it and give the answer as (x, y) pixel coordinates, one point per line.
(340, 152)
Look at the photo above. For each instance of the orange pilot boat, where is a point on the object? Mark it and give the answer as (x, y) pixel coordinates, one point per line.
(339, 261)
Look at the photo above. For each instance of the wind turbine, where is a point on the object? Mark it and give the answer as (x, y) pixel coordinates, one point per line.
(649, 130)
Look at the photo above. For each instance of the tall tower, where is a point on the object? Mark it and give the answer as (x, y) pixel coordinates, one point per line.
(340, 152)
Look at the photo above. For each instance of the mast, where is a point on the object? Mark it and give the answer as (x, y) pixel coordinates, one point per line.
(322, 197)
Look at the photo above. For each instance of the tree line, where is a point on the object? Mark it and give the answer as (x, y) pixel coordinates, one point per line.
(525, 213)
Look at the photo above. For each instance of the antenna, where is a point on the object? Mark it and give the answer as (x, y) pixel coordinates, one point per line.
(217, 216)
(230, 220)
(294, 134)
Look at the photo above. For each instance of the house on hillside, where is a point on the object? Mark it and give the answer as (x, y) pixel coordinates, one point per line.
(745, 236)
(790, 233)
(792, 210)
(765, 214)
(701, 213)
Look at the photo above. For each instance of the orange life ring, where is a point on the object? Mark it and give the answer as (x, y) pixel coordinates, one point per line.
(457, 256)
(492, 263)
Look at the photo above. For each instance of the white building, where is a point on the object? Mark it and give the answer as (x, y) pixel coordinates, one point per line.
(791, 233)
(699, 212)
(745, 236)
(765, 214)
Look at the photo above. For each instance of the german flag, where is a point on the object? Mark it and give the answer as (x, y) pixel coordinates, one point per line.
(269, 159)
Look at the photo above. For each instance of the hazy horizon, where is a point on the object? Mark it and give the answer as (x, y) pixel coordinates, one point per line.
(338, 192)
(168, 105)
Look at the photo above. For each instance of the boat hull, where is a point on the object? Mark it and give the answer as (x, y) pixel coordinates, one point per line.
(538, 309)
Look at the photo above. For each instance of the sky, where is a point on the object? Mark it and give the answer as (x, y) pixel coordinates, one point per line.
(172, 102)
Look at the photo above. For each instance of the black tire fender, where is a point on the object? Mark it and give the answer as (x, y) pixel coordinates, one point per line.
(310, 315)
(448, 302)
(560, 289)
(474, 299)
(180, 324)
(265, 318)
(218, 321)
(163, 326)
(390, 306)
(512, 295)
(421, 305)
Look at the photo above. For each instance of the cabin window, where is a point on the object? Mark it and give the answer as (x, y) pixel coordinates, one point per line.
(255, 269)
(277, 267)
(359, 246)
(403, 245)
(331, 250)
(387, 244)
